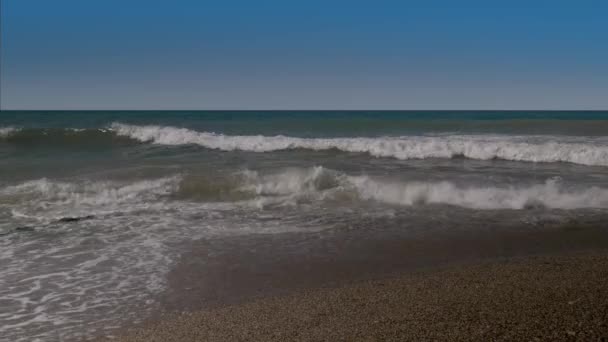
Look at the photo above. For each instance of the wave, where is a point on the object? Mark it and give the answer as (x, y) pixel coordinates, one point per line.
(7, 131)
(292, 186)
(53, 201)
(548, 195)
(329, 184)
(591, 151)
(481, 147)
(91, 192)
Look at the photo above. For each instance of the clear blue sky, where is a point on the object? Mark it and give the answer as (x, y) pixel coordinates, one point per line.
(314, 54)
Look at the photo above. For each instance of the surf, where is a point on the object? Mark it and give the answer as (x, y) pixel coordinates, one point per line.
(292, 186)
(588, 151)
(583, 151)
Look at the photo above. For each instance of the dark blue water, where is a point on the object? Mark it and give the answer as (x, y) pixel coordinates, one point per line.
(328, 123)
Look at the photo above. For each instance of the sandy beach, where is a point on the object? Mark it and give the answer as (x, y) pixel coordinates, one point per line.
(547, 285)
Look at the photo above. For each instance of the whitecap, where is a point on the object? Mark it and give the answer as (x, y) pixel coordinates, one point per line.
(584, 151)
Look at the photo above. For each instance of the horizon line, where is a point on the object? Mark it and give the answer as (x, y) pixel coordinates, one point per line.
(301, 110)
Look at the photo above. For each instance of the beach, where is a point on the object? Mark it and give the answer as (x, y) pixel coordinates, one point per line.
(548, 298)
(544, 286)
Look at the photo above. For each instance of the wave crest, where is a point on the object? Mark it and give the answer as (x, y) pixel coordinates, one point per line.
(578, 150)
(46, 200)
(7, 131)
(549, 194)
(291, 186)
(481, 147)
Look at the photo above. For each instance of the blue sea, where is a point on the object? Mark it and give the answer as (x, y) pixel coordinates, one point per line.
(96, 207)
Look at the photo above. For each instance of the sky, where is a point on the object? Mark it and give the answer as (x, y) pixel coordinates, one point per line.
(314, 54)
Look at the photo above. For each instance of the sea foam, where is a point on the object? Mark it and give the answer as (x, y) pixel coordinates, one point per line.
(593, 152)
(549, 194)
(326, 183)
(317, 183)
(7, 131)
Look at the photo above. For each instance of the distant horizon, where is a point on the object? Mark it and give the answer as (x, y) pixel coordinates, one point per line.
(304, 110)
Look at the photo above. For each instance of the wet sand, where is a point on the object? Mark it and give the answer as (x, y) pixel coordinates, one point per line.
(544, 298)
(545, 284)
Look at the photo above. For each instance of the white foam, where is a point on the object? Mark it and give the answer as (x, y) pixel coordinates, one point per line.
(290, 181)
(323, 183)
(57, 199)
(80, 198)
(549, 194)
(585, 151)
(7, 131)
(85, 263)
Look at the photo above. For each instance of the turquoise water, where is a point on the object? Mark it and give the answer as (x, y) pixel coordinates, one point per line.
(91, 202)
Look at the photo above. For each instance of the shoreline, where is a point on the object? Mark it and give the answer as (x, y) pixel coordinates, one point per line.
(549, 297)
(455, 286)
(225, 271)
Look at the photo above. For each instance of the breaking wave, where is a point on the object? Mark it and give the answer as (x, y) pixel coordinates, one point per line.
(329, 184)
(591, 151)
(482, 147)
(292, 185)
(549, 195)
(6, 131)
(45, 201)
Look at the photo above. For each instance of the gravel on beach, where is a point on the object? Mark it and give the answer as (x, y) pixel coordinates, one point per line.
(537, 298)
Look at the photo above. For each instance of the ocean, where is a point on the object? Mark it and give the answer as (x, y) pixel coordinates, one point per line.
(97, 207)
